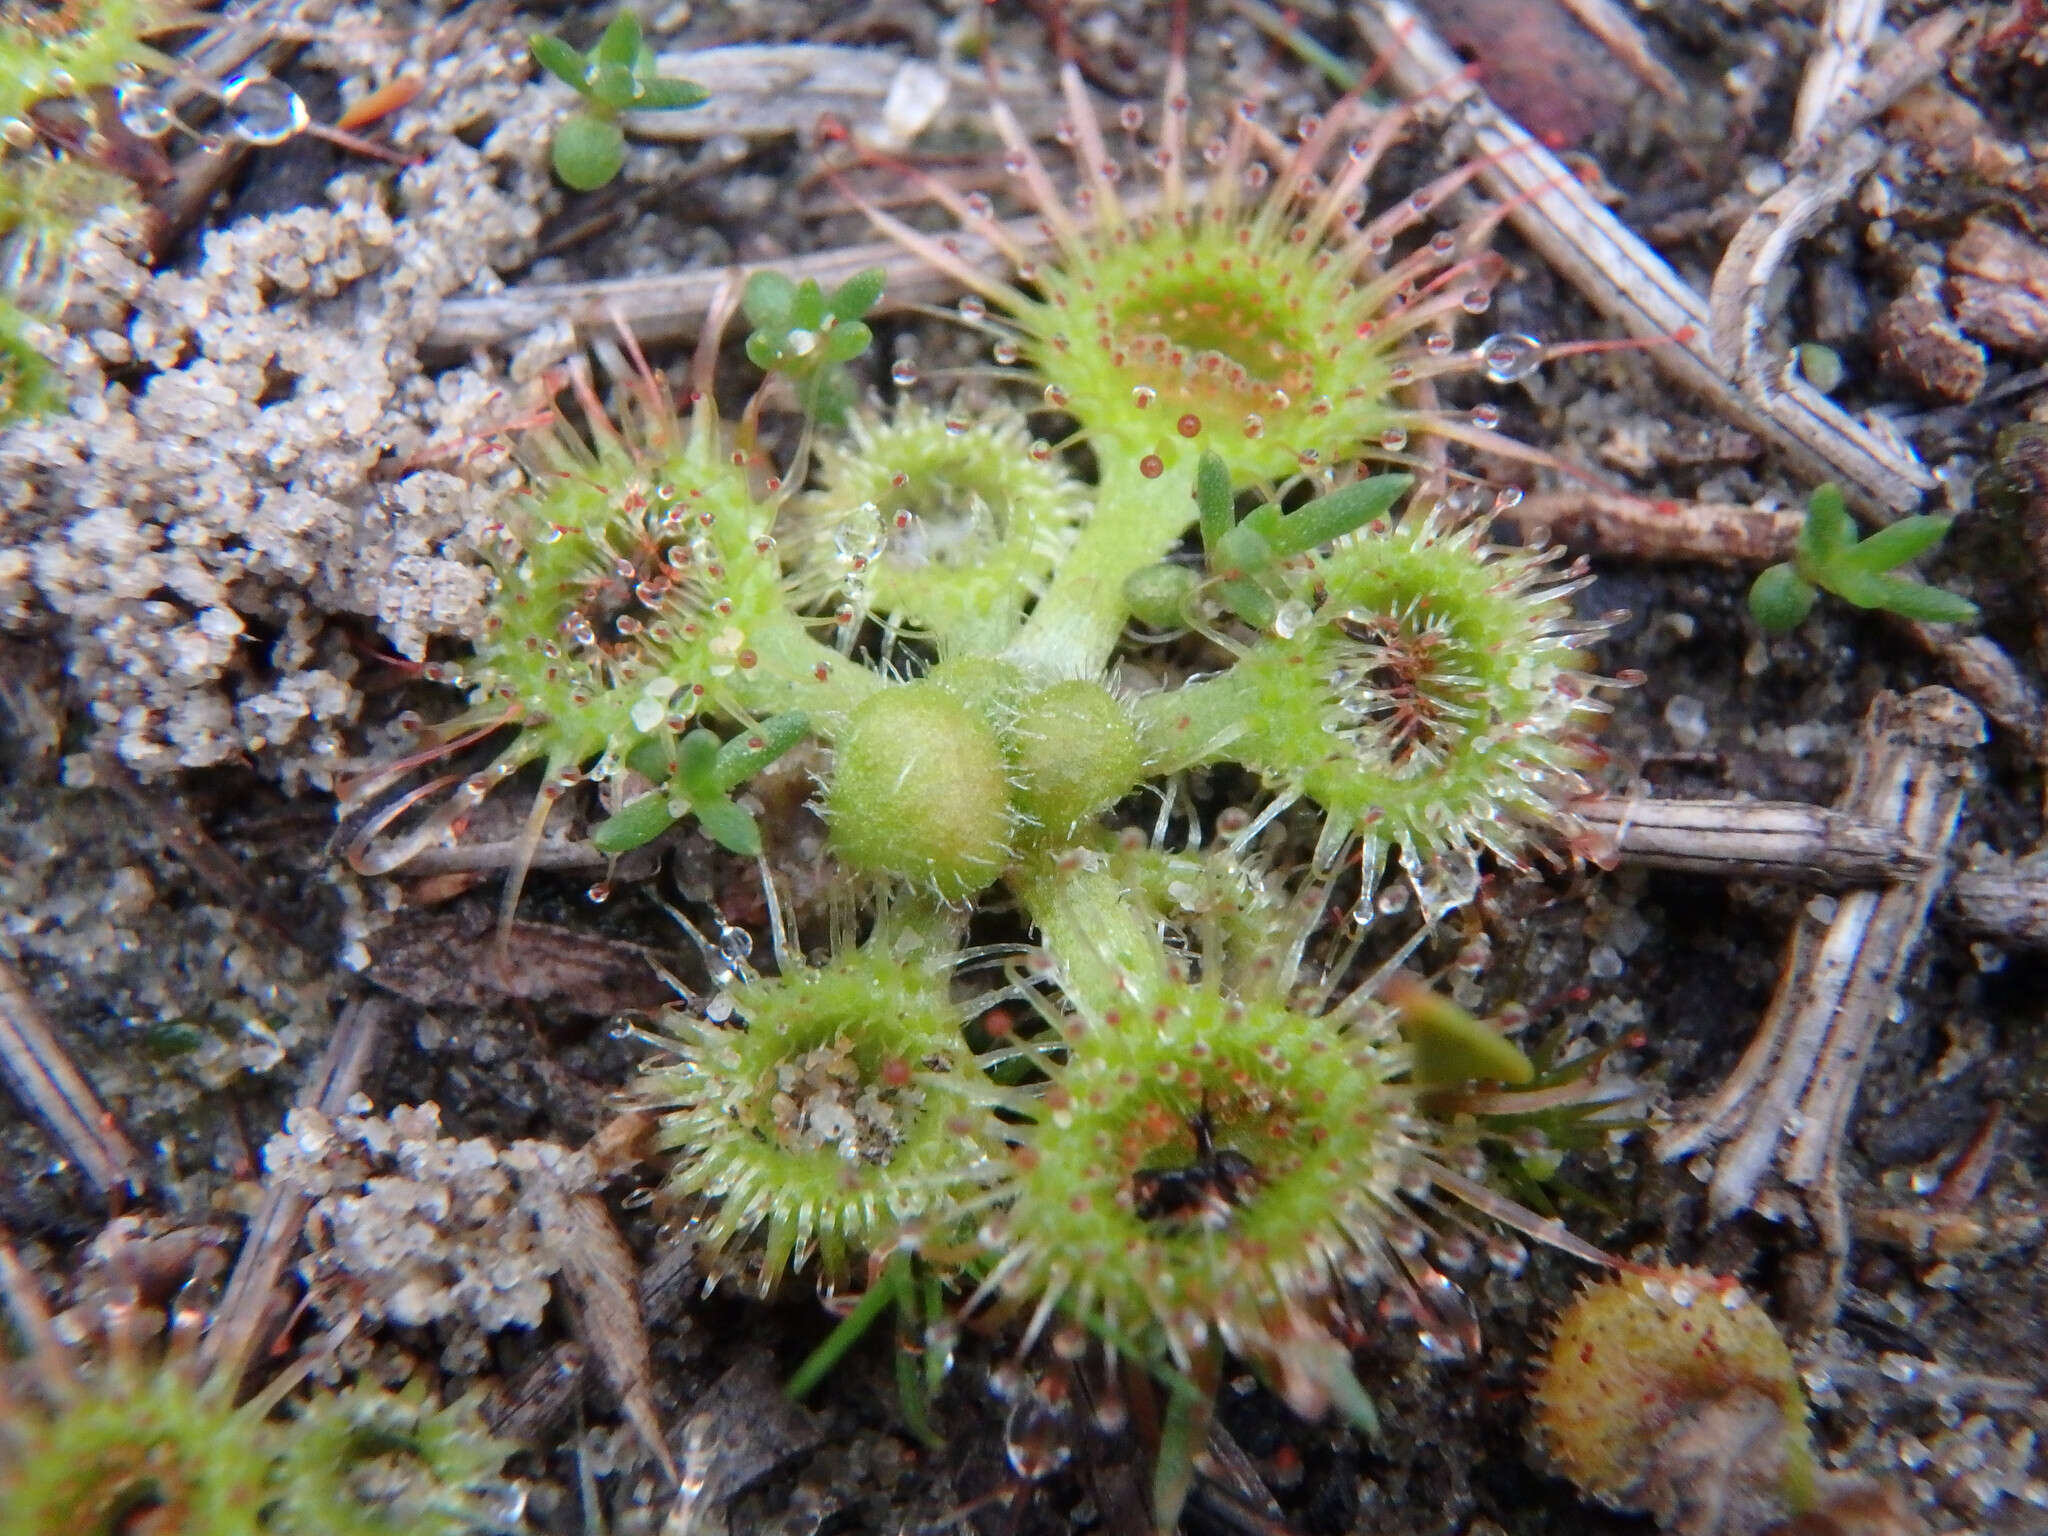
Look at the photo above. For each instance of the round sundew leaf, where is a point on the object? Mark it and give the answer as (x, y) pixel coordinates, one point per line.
(1779, 599)
(1431, 700)
(947, 522)
(588, 151)
(1641, 1357)
(838, 1106)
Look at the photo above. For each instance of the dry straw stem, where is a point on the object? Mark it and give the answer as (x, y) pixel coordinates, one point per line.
(1994, 898)
(1623, 278)
(1800, 1075)
(1624, 39)
(42, 1074)
(670, 307)
(772, 90)
(1846, 33)
(1630, 528)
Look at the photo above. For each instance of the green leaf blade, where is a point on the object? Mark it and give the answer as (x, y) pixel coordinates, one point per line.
(729, 826)
(846, 341)
(1215, 500)
(559, 60)
(746, 755)
(638, 824)
(664, 95)
(769, 300)
(620, 44)
(1829, 530)
(1897, 543)
(860, 293)
(1342, 511)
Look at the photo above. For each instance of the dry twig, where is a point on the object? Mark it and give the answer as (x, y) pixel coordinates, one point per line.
(42, 1075)
(1993, 897)
(1756, 840)
(670, 307)
(1630, 528)
(767, 90)
(1837, 65)
(1622, 277)
(1832, 154)
(1624, 39)
(1799, 1077)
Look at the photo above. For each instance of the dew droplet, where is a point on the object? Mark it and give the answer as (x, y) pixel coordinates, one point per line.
(1040, 450)
(262, 110)
(18, 133)
(974, 307)
(1487, 416)
(1189, 425)
(1291, 618)
(1006, 352)
(1477, 301)
(1510, 356)
(143, 112)
(600, 892)
(1254, 425)
(1055, 396)
(1142, 395)
(1151, 466)
(903, 373)
(1393, 439)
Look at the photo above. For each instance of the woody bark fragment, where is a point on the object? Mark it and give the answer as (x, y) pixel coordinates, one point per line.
(1797, 1082)
(1992, 897)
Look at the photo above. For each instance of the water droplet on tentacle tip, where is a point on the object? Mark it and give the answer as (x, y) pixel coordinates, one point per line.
(263, 111)
(1510, 356)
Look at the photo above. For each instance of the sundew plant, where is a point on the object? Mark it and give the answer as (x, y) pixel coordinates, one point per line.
(1187, 1115)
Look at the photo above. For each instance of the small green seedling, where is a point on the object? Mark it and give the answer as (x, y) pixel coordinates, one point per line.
(1246, 555)
(698, 780)
(1829, 557)
(809, 336)
(616, 76)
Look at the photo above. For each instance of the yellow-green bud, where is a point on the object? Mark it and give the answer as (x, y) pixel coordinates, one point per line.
(921, 793)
